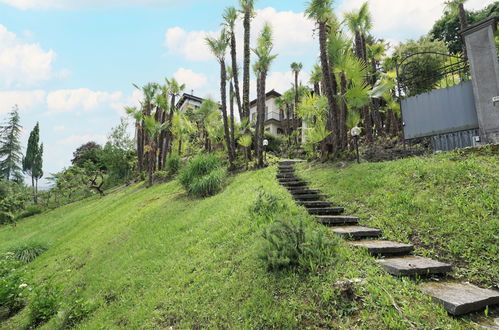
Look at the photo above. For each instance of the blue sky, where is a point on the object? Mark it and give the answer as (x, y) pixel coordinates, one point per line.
(70, 64)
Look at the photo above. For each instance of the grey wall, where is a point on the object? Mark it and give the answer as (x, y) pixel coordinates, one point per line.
(440, 111)
(482, 54)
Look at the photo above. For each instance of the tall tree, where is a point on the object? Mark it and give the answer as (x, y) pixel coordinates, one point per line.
(33, 161)
(296, 68)
(175, 89)
(456, 7)
(359, 22)
(316, 79)
(10, 148)
(261, 67)
(218, 47)
(230, 79)
(230, 18)
(247, 9)
(153, 130)
(321, 12)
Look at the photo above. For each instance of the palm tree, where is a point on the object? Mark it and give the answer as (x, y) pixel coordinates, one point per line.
(149, 90)
(316, 79)
(218, 47)
(205, 116)
(359, 23)
(247, 9)
(153, 129)
(321, 12)
(181, 128)
(175, 89)
(162, 107)
(261, 67)
(456, 7)
(230, 18)
(230, 79)
(296, 67)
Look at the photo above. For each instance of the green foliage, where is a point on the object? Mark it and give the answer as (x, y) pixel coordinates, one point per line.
(173, 164)
(275, 142)
(75, 312)
(266, 205)
(6, 218)
(13, 197)
(33, 160)
(203, 176)
(44, 304)
(10, 148)
(88, 155)
(291, 244)
(13, 287)
(161, 176)
(27, 252)
(30, 211)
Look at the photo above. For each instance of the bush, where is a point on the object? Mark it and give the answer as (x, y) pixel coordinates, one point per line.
(13, 285)
(31, 210)
(203, 176)
(289, 244)
(28, 252)
(173, 165)
(266, 205)
(160, 176)
(275, 142)
(6, 218)
(44, 304)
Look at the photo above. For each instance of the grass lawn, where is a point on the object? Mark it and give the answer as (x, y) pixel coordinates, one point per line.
(155, 258)
(446, 204)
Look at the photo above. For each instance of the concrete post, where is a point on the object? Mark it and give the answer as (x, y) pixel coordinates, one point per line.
(482, 55)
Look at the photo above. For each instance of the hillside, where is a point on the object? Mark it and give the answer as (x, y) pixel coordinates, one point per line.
(152, 258)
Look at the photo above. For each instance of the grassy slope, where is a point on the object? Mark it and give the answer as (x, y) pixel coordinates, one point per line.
(447, 204)
(154, 258)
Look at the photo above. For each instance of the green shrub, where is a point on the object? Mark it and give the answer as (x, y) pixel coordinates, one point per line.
(173, 164)
(275, 142)
(266, 204)
(31, 210)
(290, 244)
(6, 218)
(28, 252)
(160, 176)
(203, 176)
(13, 287)
(44, 304)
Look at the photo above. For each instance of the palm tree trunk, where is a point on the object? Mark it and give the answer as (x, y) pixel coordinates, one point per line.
(260, 116)
(246, 66)
(235, 73)
(331, 142)
(295, 124)
(223, 93)
(343, 112)
(232, 121)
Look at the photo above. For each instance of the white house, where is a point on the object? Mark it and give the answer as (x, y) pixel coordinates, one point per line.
(274, 122)
(188, 101)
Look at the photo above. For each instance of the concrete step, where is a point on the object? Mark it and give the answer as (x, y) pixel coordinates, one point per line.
(337, 220)
(290, 180)
(412, 265)
(286, 176)
(385, 248)
(308, 197)
(356, 232)
(286, 170)
(290, 162)
(326, 211)
(295, 184)
(315, 204)
(303, 190)
(460, 298)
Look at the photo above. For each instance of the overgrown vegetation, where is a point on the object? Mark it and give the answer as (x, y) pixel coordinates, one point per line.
(203, 176)
(27, 252)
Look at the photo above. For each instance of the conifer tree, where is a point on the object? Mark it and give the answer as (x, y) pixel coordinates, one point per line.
(33, 161)
(10, 148)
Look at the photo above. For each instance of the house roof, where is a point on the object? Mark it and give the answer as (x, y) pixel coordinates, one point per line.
(185, 97)
(269, 95)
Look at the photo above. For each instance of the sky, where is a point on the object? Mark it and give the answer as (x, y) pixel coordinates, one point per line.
(70, 64)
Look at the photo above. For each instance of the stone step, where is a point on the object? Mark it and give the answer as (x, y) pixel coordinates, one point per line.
(337, 220)
(315, 204)
(326, 211)
(290, 162)
(460, 298)
(290, 180)
(412, 265)
(302, 191)
(295, 184)
(385, 248)
(286, 171)
(286, 176)
(308, 197)
(356, 232)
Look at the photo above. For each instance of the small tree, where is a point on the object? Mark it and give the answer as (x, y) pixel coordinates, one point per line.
(33, 161)
(10, 148)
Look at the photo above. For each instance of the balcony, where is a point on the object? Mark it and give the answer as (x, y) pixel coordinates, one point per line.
(272, 115)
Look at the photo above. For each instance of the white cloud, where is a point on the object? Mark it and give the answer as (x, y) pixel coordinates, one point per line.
(293, 35)
(76, 140)
(191, 79)
(80, 99)
(60, 128)
(280, 82)
(133, 100)
(405, 19)
(26, 100)
(24, 64)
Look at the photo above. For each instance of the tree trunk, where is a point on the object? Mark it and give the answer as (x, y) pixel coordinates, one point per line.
(330, 92)
(260, 118)
(223, 93)
(343, 113)
(246, 66)
(463, 22)
(317, 89)
(235, 73)
(34, 191)
(232, 121)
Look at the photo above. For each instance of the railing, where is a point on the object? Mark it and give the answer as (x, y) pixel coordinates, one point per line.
(272, 115)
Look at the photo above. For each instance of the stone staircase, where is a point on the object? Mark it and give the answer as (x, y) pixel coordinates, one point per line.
(396, 258)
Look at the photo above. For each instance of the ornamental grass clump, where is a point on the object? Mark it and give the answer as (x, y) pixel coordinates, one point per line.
(292, 244)
(203, 176)
(267, 205)
(28, 252)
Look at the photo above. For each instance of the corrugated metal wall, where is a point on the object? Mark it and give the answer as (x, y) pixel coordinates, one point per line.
(456, 140)
(440, 111)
